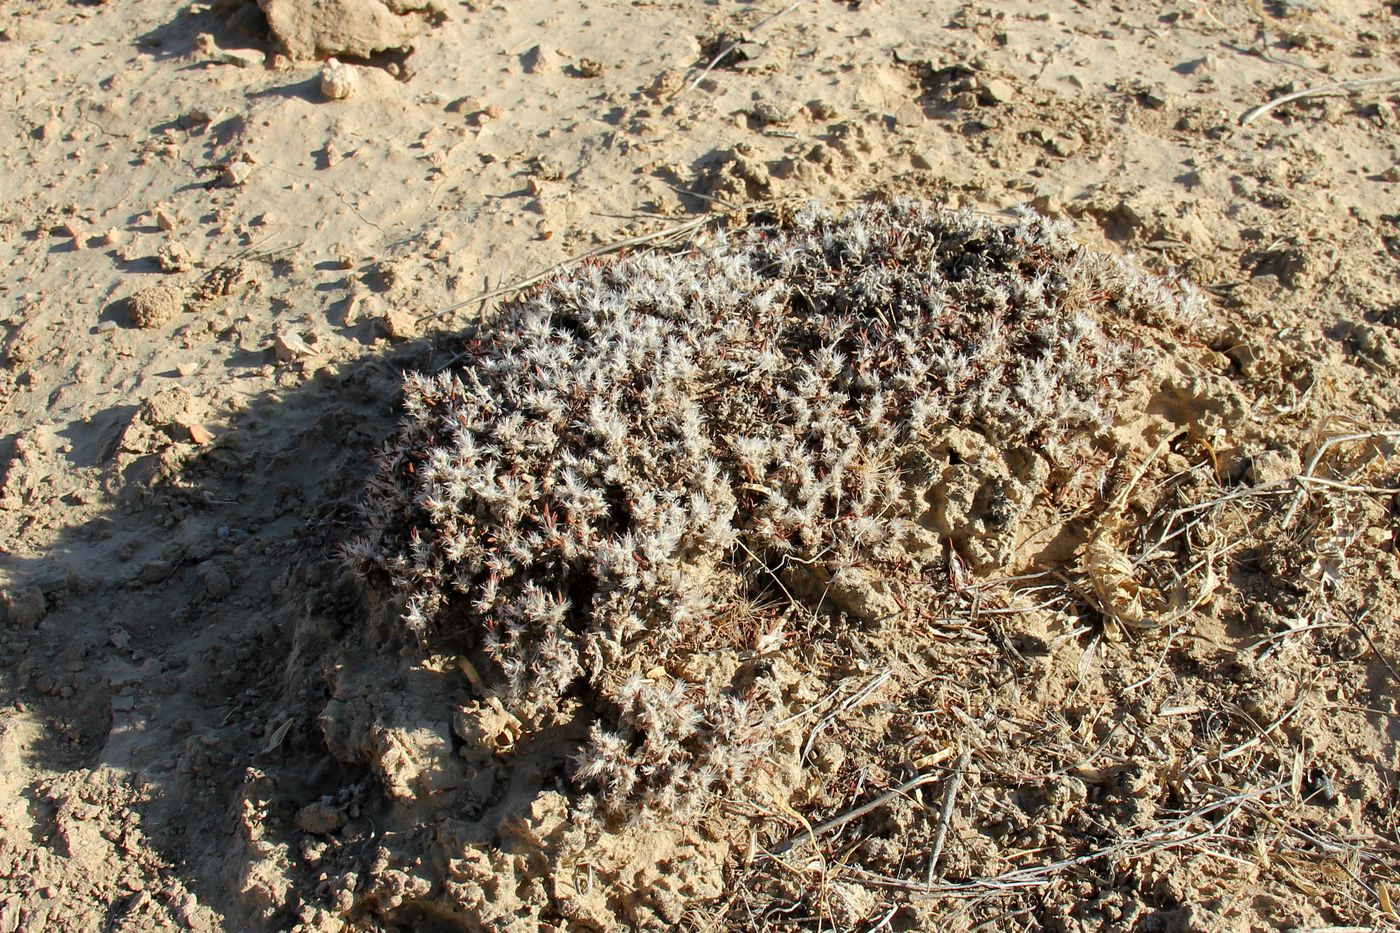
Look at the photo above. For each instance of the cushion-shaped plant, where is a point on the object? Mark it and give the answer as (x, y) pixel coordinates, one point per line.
(599, 490)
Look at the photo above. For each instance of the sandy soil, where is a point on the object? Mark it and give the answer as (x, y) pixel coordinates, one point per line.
(221, 252)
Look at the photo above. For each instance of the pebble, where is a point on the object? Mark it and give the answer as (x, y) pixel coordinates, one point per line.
(338, 80)
(909, 114)
(216, 581)
(25, 606)
(74, 230)
(288, 346)
(771, 113)
(665, 85)
(995, 91)
(539, 60)
(467, 105)
(155, 306)
(398, 324)
(235, 174)
(206, 48)
(174, 257)
(1065, 145)
(320, 818)
(154, 571)
(589, 67)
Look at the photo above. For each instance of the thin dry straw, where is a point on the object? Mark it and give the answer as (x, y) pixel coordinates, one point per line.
(945, 816)
(854, 813)
(1322, 90)
(676, 232)
(729, 48)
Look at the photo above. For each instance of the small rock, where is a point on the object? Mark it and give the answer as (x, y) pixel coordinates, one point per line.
(1194, 66)
(123, 704)
(548, 170)
(164, 219)
(995, 91)
(539, 60)
(289, 346)
(1048, 200)
(589, 68)
(665, 84)
(1065, 145)
(74, 230)
(909, 114)
(467, 105)
(338, 80)
(322, 819)
(154, 571)
(10, 914)
(822, 110)
(207, 49)
(155, 306)
(398, 324)
(216, 581)
(199, 434)
(770, 113)
(115, 236)
(174, 257)
(1272, 466)
(168, 408)
(235, 174)
(1151, 96)
(25, 606)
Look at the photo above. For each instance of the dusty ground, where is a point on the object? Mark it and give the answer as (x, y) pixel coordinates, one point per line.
(206, 724)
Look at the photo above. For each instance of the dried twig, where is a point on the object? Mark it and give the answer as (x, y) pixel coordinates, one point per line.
(1303, 478)
(844, 706)
(1322, 90)
(729, 48)
(855, 813)
(1167, 836)
(1381, 655)
(679, 231)
(945, 815)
